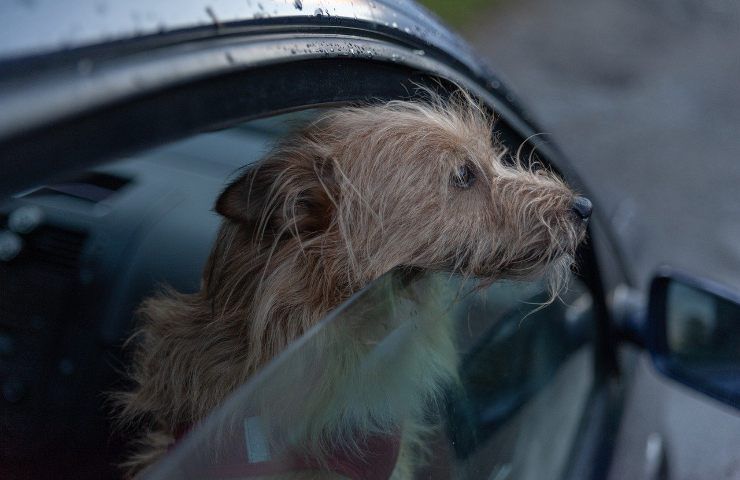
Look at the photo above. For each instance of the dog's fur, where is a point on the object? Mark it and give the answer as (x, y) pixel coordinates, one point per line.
(354, 194)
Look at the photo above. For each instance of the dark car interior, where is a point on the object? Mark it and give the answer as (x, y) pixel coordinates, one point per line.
(83, 254)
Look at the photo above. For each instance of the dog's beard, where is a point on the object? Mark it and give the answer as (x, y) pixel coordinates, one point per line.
(549, 260)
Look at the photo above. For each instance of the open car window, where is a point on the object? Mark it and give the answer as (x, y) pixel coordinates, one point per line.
(511, 380)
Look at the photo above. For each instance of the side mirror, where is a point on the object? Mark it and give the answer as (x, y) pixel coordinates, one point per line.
(693, 334)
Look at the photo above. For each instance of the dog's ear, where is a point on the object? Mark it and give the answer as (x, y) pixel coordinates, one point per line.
(244, 199)
(282, 195)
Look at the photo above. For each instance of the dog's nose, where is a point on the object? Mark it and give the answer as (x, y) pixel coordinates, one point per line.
(582, 207)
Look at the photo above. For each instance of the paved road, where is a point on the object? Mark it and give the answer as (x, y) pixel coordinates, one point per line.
(644, 97)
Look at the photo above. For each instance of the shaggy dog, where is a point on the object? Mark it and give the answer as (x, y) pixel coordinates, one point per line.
(356, 193)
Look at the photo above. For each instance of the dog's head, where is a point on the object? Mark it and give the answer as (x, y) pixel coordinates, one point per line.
(419, 184)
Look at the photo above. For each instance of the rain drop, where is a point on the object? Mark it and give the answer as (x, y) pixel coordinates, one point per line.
(213, 17)
(298, 4)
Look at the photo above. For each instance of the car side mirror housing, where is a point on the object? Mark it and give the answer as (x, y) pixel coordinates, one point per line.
(693, 334)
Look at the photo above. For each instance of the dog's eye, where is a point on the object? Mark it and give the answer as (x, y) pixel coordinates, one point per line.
(463, 176)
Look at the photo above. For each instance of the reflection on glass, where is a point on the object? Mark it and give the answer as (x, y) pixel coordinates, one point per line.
(416, 369)
(703, 334)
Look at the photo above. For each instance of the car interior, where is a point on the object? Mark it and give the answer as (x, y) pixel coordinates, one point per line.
(91, 248)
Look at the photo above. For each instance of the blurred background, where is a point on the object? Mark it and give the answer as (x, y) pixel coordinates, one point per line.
(643, 96)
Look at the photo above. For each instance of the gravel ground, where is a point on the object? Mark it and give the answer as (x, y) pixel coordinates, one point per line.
(644, 97)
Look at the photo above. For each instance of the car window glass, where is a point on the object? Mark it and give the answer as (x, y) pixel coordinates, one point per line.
(516, 376)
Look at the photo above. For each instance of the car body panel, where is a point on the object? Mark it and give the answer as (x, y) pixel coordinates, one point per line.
(44, 26)
(38, 29)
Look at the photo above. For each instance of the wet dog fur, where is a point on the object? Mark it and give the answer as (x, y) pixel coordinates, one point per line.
(353, 194)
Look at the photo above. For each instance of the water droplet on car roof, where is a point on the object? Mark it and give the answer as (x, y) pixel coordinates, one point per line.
(213, 17)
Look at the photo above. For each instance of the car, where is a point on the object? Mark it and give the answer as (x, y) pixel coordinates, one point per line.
(119, 126)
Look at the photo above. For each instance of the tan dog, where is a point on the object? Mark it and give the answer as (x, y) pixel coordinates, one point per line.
(332, 207)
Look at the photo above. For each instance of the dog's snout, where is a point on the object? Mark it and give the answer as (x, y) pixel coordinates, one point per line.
(582, 207)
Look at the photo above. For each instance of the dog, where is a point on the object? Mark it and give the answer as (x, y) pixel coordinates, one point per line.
(421, 185)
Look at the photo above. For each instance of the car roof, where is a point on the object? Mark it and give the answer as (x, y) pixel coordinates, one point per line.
(35, 33)
(33, 27)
